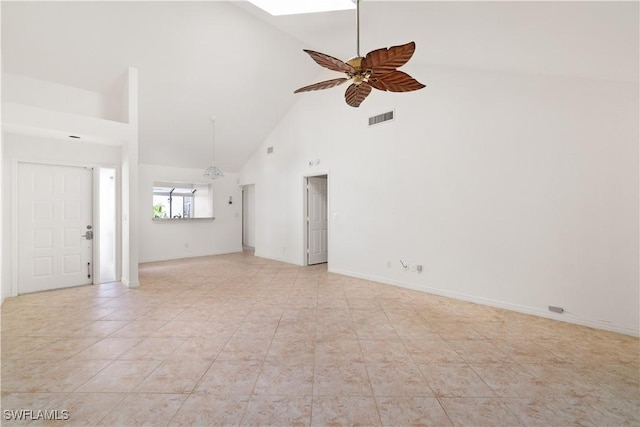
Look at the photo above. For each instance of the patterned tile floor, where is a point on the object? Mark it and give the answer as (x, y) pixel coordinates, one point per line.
(240, 340)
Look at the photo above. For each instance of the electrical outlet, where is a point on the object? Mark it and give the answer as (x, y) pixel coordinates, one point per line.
(419, 268)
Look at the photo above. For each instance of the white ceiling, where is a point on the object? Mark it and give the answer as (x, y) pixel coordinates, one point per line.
(231, 60)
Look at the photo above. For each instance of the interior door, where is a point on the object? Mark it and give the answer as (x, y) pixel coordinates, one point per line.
(317, 220)
(54, 227)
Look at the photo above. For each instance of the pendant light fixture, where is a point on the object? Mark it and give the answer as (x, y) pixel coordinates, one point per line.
(213, 171)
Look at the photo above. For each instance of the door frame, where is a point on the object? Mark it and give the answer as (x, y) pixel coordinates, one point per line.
(305, 213)
(95, 215)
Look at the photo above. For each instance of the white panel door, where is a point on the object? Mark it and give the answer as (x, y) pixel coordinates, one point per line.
(54, 215)
(317, 220)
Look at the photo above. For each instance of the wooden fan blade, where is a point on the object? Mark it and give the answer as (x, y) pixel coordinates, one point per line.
(330, 62)
(385, 60)
(355, 94)
(323, 85)
(395, 81)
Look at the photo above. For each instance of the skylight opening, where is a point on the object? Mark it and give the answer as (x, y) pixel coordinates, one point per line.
(295, 7)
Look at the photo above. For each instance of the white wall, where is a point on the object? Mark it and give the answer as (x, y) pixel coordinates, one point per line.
(56, 97)
(40, 150)
(162, 240)
(514, 190)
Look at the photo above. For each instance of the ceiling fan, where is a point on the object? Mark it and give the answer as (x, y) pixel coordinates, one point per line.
(378, 69)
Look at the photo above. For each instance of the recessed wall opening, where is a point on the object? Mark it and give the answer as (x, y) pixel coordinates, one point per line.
(108, 225)
(248, 217)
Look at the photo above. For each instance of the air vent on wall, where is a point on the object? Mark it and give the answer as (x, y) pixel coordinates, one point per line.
(269, 150)
(381, 118)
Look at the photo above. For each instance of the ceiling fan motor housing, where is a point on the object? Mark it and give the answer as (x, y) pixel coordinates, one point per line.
(360, 75)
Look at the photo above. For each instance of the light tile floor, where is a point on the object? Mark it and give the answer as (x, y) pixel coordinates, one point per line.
(240, 340)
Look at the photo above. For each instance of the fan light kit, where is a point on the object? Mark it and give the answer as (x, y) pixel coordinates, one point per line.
(378, 69)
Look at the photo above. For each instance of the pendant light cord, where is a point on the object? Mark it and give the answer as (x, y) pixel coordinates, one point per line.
(213, 139)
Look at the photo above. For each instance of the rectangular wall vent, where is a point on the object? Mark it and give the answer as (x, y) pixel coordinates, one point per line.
(269, 150)
(381, 118)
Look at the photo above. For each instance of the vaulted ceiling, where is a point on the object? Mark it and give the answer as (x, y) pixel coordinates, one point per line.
(233, 61)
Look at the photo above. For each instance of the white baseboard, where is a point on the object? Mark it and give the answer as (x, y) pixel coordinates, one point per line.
(564, 317)
(182, 256)
(130, 285)
(287, 261)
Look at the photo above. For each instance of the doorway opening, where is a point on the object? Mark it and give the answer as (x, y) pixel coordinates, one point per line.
(66, 227)
(248, 218)
(316, 220)
(54, 227)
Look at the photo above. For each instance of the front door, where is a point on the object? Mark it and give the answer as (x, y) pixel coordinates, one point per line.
(317, 220)
(54, 227)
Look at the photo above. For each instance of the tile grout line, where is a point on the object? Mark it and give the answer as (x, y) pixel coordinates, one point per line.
(366, 368)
